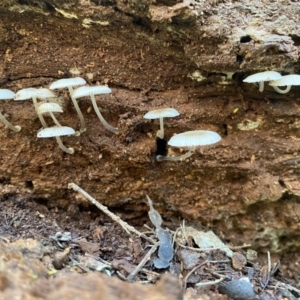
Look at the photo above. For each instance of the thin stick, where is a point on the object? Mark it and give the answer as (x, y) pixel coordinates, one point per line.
(152, 273)
(269, 262)
(183, 230)
(198, 249)
(209, 283)
(287, 286)
(104, 209)
(184, 282)
(240, 247)
(4, 239)
(131, 276)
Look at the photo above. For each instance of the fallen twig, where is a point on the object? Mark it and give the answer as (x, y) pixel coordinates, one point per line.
(198, 249)
(209, 283)
(285, 285)
(184, 282)
(4, 239)
(239, 247)
(128, 228)
(131, 276)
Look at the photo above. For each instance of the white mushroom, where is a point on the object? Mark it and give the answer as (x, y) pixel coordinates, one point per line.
(161, 114)
(57, 132)
(91, 91)
(33, 93)
(51, 107)
(70, 83)
(191, 140)
(262, 77)
(287, 80)
(7, 95)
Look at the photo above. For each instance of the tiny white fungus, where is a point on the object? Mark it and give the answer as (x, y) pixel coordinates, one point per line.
(57, 132)
(160, 114)
(84, 91)
(70, 83)
(49, 107)
(33, 93)
(66, 82)
(287, 80)
(190, 139)
(6, 94)
(28, 93)
(261, 77)
(91, 91)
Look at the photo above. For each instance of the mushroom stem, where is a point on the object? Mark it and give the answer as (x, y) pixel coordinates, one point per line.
(54, 119)
(261, 86)
(42, 120)
(82, 122)
(106, 125)
(58, 124)
(63, 147)
(16, 128)
(176, 158)
(278, 90)
(160, 133)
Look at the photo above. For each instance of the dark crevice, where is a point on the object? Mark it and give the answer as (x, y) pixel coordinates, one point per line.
(238, 76)
(104, 2)
(296, 39)
(239, 58)
(42, 201)
(166, 2)
(281, 182)
(29, 184)
(4, 180)
(216, 74)
(37, 3)
(245, 39)
(49, 7)
(161, 147)
(142, 22)
(225, 129)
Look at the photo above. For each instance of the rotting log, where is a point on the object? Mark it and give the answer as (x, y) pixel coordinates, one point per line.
(188, 55)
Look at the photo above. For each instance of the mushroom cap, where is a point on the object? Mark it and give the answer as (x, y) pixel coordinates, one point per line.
(29, 93)
(263, 76)
(6, 94)
(85, 91)
(162, 113)
(49, 107)
(55, 131)
(66, 82)
(194, 138)
(292, 79)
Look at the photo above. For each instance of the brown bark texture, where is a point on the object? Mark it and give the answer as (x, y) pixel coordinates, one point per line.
(190, 55)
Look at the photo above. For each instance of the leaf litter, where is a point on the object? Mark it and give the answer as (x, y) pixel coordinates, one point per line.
(201, 262)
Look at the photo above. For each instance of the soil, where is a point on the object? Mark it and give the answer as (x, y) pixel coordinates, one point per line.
(48, 253)
(192, 56)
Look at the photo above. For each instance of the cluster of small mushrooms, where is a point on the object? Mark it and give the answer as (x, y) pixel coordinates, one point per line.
(44, 107)
(189, 139)
(275, 80)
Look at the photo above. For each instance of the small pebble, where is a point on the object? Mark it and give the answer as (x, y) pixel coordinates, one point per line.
(240, 289)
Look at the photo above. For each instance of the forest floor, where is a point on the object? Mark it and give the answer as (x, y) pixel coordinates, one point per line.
(51, 253)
